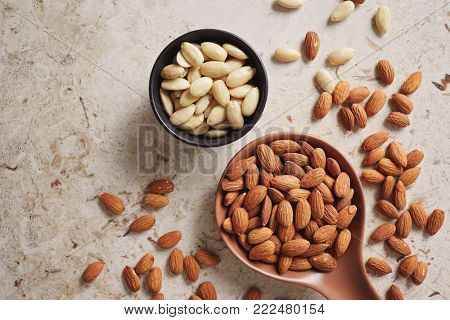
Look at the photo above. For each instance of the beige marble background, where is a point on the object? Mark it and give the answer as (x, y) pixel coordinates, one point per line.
(74, 78)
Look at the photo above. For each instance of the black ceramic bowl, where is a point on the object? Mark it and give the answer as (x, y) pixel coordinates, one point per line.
(198, 36)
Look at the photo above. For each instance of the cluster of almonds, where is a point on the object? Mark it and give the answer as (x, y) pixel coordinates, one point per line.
(289, 205)
(395, 171)
(209, 89)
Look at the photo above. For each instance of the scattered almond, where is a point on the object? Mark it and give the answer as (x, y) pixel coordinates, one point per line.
(385, 72)
(323, 105)
(404, 225)
(162, 187)
(409, 176)
(176, 261)
(154, 280)
(435, 221)
(375, 140)
(358, 94)
(93, 271)
(142, 223)
(398, 119)
(191, 268)
(144, 264)
(206, 291)
(414, 158)
(418, 214)
(399, 245)
(394, 293)
(312, 45)
(412, 83)
(169, 239)
(379, 266)
(375, 103)
(341, 92)
(155, 201)
(252, 294)
(112, 203)
(346, 118)
(383, 232)
(402, 103)
(131, 279)
(419, 275)
(408, 265)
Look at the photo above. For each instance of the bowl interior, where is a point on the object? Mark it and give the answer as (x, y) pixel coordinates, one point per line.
(311, 278)
(220, 37)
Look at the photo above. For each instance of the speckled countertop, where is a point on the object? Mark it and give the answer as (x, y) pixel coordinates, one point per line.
(74, 77)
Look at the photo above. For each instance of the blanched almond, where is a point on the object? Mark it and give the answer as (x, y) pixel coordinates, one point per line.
(240, 76)
(215, 69)
(250, 102)
(241, 92)
(234, 115)
(217, 115)
(325, 80)
(286, 54)
(383, 19)
(220, 92)
(193, 122)
(182, 61)
(166, 101)
(192, 54)
(214, 51)
(175, 84)
(290, 4)
(202, 103)
(235, 51)
(172, 71)
(201, 86)
(341, 55)
(182, 115)
(342, 11)
(187, 98)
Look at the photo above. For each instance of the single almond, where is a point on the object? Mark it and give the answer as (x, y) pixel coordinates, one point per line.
(237, 203)
(414, 158)
(284, 183)
(286, 234)
(252, 294)
(259, 235)
(342, 185)
(227, 225)
(142, 223)
(418, 214)
(387, 167)
(409, 176)
(398, 119)
(331, 215)
(402, 103)
(323, 262)
(191, 268)
(265, 177)
(419, 275)
(312, 45)
(399, 245)
(206, 291)
(400, 195)
(342, 242)
(92, 271)
(412, 83)
(144, 264)
(383, 232)
(162, 186)
(294, 247)
(317, 204)
(387, 209)
(176, 261)
(266, 157)
(318, 158)
(345, 201)
(131, 279)
(194, 297)
(324, 234)
(375, 103)
(372, 176)
(397, 154)
(300, 264)
(293, 169)
(266, 210)
(313, 178)
(302, 214)
(394, 293)
(254, 197)
(284, 263)
(306, 148)
(236, 169)
(375, 140)
(154, 280)
(310, 229)
(408, 265)
(379, 266)
(297, 158)
(284, 146)
(315, 249)
(359, 114)
(323, 105)
(275, 195)
(341, 92)
(262, 250)
(346, 118)
(388, 187)
(326, 193)
(233, 185)
(158, 296)
(229, 198)
(155, 201)
(435, 221)
(385, 71)
(169, 239)
(333, 167)
(285, 214)
(373, 156)
(346, 216)
(112, 203)
(404, 225)
(358, 94)
(239, 220)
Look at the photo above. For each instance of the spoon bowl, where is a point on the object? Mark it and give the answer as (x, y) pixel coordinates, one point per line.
(349, 280)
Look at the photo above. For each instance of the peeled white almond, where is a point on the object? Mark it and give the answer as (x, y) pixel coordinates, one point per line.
(182, 115)
(383, 19)
(214, 69)
(216, 133)
(234, 115)
(214, 51)
(220, 92)
(235, 51)
(234, 64)
(340, 56)
(172, 71)
(250, 102)
(205, 57)
(325, 80)
(193, 74)
(286, 54)
(187, 98)
(240, 76)
(182, 61)
(166, 101)
(241, 92)
(193, 122)
(201, 129)
(203, 103)
(291, 4)
(192, 54)
(201, 86)
(175, 84)
(217, 115)
(342, 11)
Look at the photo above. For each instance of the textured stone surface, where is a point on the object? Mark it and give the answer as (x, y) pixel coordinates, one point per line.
(74, 77)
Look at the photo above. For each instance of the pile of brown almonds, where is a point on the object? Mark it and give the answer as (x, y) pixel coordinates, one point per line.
(395, 170)
(290, 205)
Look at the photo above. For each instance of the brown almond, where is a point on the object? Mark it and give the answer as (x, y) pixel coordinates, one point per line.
(236, 169)
(399, 245)
(242, 239)
(277, 242)
(372, 176)
(394, 293)
(92, 271)
(397, 154)
(142, 223)
(233, 185)
(310, 229)
(292, 169)
(359, 114)
(237, 203)
(324, 234)
(176, 261)
(345, 201)
(286, 233)
(358, 94)
(155, 201)
(418, 214)
(206, 291)
(387, 209)
(400, 195)
(341, 92)
(342, 185)
(294, 247)
(251, 176)
(409, 176)
(408, 265)
(229, 198)
(239, 219)
(284, 262)
(323, 262)
(346, 216)
(379, 266)
(300, 264)
(412, 83)
(254, 223)
(302, 214)
(312, 45)
(414, 158)
(383, 232)
(419, 275)
(169, 239)
(265, 177)
(254, 197)
(385, 71)
(333, 167)
(259, 235)
(285, 214)
(375, 140)
(276, 195)
(313, 178)
(318, 158)
(252, 294)
(373, 156)
(295, 195)
(262, 250)
(280, 147)
(435, 221)
(317, 205)
(162, 186)
(266, 210)
(346, 118)
(131, 279)
(388, 187)
(154, 280)
(389, 168)
(227, 225)
(144, 264)
(285, 182)
(326, 193)
(191, 268)
(314, 249)
(402, 103)
(330, 214)
(112, 203)
(297, 158)
(404, 225)
(342, 242)
(375, 103)
(398, 119)
(266, 157)
(194, 297)
(307, 149)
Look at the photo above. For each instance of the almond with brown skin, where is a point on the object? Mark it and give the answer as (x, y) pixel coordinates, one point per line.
(342, 242)
(286, 233)
(169, 239)
(329, 182)
(162, 186)
(333, 167)
(346, 216)
(435, 221)
(358, 94)
(408, 265)
(254, 197)
(387, 209)
(399, 245)
(342, 185)
(323, 262)
(239, 219)
(131, 279)
(233, 185)
(297, 158)
(373, 156)
(412, 83)
(242, 239)
(398, 119)
(372, 176)
(237, 203)
(280, 147)
(397, 154)
(252, 294)
(306, 148)
(314, 249)
(379, 266)
(389, 168)
(251, 176)
(404, 225)
(313, 178)
(93, 271)
(259, 235)
(346, 118)
(191, 268)
(176, 261)
(409, 176)
(345, 201)
(375, 140)
(285, 182)
(326, 193)
(300, 264)
(294, 247)
(419, 275)
(394, 293)
(144, 264)
(154, 280)
(265, 178)
(414, 158)
(292, 169)
(330, 214)
(359, 114)
(312, 45)
(284, 262)
(310, 229)
(142, 223)
(266, 157)
(112, 203)
(285, 214)
(237, 169)
(375, 103)
(385, 71)
(276, 195)
(155, 201)
(383, 232)
(206, 291)
(341, 92)
(227, 225)
(229, 198)
(388, 187)
(254, 223)
(325, 234)
(302, 214)
(194, 297)
(277, 242)
(418, 214)
(318, 158)
(317, 205)
(402, 103)
(262, 250)
(400, 195)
